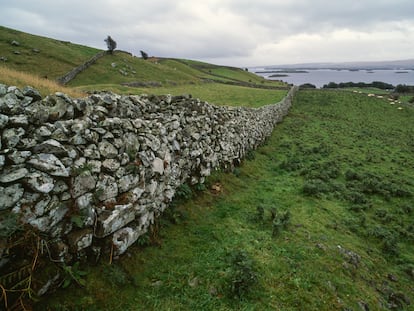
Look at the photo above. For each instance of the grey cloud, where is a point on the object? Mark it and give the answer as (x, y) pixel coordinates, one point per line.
(233, 31)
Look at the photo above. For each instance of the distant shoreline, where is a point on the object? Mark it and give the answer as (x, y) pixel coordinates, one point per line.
(283, 71)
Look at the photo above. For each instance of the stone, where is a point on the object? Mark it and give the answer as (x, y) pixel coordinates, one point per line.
(8, 103)
(106, 187)
(43, 131)
(60, 187)
(19, 157)
(31, 92)
(49, 163)
(158, 166)
(59, 108)
(107, 150)
(13, 174)
(51, 146)
(124, 238)
(80, 239)
(127, 182)
(15, 43)
(10, 195)
(3, 121)
(111, 165)
(12, 136)
(19, 120)
(82, 184)
(115, 219)
(40, 182)
(41, 206)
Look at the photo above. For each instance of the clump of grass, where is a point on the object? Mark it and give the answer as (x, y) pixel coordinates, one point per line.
(44, 86)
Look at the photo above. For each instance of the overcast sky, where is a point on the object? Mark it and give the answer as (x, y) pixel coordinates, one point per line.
(228, 32)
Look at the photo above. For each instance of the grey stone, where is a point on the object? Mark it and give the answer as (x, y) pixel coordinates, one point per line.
(19, 157)
(111, 165)
(3, 89)
(80, 239)
(128, 182)
(92, 152)
(106, 187)
(107, 150)
(125, 237)
(49, 163)
(158, 166)
(77, 140)
(115, 219)
(41, 207)
(2, 159)
(84, 201)
(95, 166)
(31, 92)
(51, 146)
(60, 187)
(19, 120)
(82, 184)
(11, 136)
(9, 196)
(13, 174)
(40, 182)
(8, 103)
(43, 131)
(3, 121)
(15, 43)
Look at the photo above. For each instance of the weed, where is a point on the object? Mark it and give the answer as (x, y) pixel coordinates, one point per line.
(184, 192)
(116, 275)
(9, 225)
(73, 274)
(250, 155)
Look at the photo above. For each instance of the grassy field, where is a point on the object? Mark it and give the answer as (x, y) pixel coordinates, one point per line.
(42, 56)
(319, 218)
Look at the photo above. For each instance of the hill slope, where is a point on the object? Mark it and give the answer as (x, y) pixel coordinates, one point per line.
(45, 57)
(42, 56)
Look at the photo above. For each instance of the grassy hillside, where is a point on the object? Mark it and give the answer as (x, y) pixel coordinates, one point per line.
(320, 218)
(39, 55)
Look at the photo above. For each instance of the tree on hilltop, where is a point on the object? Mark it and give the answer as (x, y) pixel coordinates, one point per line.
(144, 55)
(111, 44)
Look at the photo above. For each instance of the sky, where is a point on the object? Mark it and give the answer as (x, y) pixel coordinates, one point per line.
(239, 33)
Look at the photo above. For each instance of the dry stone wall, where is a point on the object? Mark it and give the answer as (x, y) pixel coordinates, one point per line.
(91, 174)
(77, 70)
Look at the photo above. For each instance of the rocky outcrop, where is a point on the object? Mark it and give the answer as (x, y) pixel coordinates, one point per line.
(91, 174)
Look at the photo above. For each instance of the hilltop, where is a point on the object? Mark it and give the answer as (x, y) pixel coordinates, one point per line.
(121, 71)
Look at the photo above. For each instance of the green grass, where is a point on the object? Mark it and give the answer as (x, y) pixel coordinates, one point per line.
(54, 59)
(136, 68)
(214, 93)
(350, 233)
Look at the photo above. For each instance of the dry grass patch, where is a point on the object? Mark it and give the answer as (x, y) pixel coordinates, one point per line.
(45, 86)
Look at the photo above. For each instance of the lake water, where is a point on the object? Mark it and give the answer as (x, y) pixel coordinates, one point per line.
(320, 77)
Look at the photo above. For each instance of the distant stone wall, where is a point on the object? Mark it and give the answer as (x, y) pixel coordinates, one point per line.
(77, 70)
(91, 174)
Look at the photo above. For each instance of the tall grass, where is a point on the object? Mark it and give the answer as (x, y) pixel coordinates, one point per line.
(44, 86)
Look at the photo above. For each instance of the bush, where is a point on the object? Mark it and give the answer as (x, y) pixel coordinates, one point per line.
(280, 221)
(242, 275)
(315, 187)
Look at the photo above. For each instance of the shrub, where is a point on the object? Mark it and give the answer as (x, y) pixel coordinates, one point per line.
(280, 222)
(242, 275)
(315, 187)
(184, 192)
